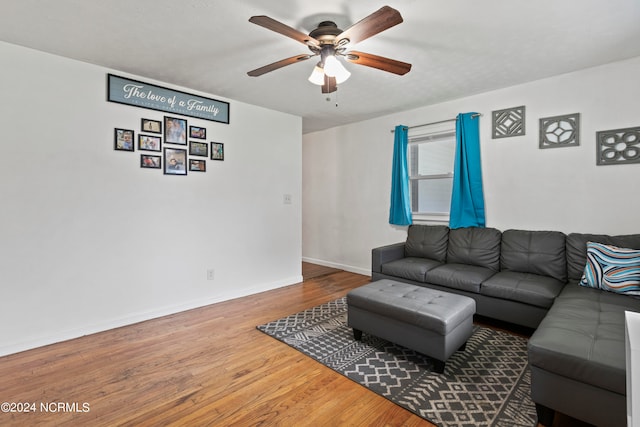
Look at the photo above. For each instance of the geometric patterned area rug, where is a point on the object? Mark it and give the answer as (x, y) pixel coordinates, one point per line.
(486, 385)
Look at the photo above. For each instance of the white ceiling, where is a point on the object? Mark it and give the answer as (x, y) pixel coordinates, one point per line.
(457, 47)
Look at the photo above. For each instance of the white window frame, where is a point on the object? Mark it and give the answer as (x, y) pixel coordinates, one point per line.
(442, 132)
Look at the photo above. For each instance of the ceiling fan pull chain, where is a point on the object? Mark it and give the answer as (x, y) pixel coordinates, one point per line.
(335, 92)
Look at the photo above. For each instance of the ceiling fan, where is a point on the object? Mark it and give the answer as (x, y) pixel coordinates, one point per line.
(329, 42)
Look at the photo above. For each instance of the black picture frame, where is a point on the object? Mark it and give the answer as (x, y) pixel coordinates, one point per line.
(151, 126)
(123, 139)
(175, 161)
(148, 161)
(197, 132)
(198, 149)
(149, 142)
(217, 151)
(175, 130)
(197, 165)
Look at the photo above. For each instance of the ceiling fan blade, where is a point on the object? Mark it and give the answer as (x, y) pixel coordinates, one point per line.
(329, 84)
(384, 18)
(379, 62)
(279, 27)
(278, 64)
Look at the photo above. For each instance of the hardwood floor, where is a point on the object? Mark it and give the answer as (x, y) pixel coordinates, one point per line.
(208, 366)
(313, 271)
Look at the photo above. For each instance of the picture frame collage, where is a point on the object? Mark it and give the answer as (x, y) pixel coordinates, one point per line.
(184, 148)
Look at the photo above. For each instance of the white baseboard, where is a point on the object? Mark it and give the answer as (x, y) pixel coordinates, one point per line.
(349, 268)
(130, 319)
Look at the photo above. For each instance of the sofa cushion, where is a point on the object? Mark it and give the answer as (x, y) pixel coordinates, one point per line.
(613, 269)
(577, 249)
(537, 252)
(528, 288)
(410, 268)
(459, 276)
(475, 246)
(582, 337)
(427, 241)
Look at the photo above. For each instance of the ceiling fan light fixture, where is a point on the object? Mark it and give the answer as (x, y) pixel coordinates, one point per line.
(317, 75)
(333, 68)
(328, 41)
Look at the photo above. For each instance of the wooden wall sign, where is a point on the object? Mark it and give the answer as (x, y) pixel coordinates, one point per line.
(145, 95)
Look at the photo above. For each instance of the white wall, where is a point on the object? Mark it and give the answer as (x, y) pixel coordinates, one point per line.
(347, 170)
(90, 241)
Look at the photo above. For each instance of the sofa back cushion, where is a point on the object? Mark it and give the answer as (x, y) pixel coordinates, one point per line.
(427, 241)
(474, 246)
(577, 249)
(536, 252)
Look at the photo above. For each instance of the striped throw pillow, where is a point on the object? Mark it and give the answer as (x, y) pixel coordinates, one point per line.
(612, 269)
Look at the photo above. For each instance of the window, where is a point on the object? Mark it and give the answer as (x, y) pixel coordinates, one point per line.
(431, 156)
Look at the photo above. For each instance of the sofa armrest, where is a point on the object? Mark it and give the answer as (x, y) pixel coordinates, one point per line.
(385, 254)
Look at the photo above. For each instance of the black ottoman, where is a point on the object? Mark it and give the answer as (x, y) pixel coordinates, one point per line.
(429, 321)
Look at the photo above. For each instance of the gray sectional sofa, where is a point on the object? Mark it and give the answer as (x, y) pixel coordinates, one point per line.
(530, 278)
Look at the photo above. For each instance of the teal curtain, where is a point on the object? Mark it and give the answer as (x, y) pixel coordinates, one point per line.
(400, 211)
(467, 198)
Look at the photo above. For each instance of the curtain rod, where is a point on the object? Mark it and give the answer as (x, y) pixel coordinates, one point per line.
(473, 116)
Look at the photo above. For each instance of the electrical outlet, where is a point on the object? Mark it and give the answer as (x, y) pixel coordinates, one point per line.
(287, 199)
(210, 274)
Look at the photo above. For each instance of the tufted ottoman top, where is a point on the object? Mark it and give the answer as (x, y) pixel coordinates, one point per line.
(427, 308)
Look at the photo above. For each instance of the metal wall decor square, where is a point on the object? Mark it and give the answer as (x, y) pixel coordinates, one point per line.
(508, 122)
(618, 146)
(560, 131)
